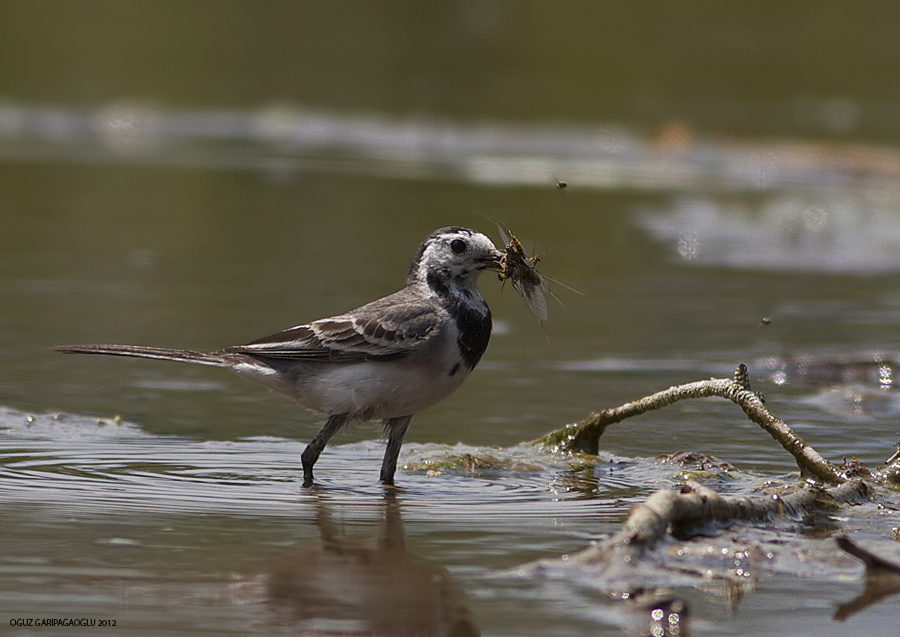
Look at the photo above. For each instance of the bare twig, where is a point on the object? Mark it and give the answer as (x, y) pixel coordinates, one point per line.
(696, 506)
(585, 436)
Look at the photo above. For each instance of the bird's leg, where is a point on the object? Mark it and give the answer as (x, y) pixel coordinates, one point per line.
(314, 448)
(395, 429)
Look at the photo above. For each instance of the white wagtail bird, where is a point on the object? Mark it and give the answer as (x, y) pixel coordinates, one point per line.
(386, 360)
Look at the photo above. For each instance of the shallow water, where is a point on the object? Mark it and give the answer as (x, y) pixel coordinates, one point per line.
(107, 521)
(190, 503)
(704, 224)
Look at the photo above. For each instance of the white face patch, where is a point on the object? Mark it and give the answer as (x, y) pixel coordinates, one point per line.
(456, 255)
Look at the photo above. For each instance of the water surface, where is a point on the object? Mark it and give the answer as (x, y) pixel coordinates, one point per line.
(752, 219)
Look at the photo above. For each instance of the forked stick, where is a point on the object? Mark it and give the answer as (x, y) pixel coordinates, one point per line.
(585, 436)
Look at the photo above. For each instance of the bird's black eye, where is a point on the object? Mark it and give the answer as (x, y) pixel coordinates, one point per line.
(458, 246)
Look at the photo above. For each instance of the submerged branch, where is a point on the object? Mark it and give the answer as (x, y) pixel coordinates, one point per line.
(585, 436)
(695, 506)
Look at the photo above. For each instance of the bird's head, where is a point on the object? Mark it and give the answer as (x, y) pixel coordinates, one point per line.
(454, 256)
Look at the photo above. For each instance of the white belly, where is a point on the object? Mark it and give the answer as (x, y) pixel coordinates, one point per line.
(378, 390)
(368, 390)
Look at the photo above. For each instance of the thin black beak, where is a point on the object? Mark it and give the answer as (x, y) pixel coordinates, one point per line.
(494, 261)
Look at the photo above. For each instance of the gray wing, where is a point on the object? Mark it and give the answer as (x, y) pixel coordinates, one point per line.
(386, 329)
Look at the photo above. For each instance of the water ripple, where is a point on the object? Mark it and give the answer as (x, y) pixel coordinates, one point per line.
(75, 462)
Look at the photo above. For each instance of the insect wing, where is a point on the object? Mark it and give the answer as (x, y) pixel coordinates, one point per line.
(527, 281)
(503, 234)
(534, 295)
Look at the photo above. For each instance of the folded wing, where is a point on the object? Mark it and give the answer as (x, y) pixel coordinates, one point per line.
(387, 329)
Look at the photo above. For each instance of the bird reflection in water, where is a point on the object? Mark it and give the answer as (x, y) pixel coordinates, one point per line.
(882, 579)
(342, 587)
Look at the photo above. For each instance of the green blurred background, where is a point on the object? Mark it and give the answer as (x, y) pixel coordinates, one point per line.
(758, 69)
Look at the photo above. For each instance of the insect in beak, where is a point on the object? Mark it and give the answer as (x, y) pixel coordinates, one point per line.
(514, 265)
(521, 270)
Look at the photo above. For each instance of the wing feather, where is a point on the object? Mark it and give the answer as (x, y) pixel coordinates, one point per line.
(387, 329)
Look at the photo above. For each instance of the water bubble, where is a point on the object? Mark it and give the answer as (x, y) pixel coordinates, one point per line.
(885, 376)
(815, 218)
(689, 246)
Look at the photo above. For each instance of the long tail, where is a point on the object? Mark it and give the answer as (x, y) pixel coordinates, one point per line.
(161, 353)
